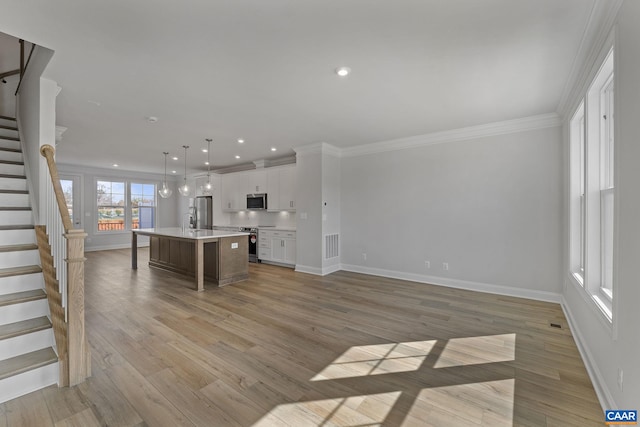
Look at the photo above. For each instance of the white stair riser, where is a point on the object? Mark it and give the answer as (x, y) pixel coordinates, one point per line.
(10, 169)
(13, 184)
(27, 382)
(9, 143)
(21, 283)
(24, 311)
(10, 200)
(19, 258)
(14, 218)
(11, 156)
(22, 344)
(17, 237)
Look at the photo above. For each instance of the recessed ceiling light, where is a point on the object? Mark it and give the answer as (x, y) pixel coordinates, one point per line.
(152, 119)
(206, 163)
(115, 165)
(204, 150)
(174, 158)
(343, 71)
(173, 171)
(240, 141)
(237, 157)
(273, 148)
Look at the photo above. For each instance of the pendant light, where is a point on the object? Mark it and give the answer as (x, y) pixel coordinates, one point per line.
(208, 185)
(165, 192)
(184, 189)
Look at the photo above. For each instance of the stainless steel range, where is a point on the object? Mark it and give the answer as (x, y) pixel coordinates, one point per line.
(253, 242)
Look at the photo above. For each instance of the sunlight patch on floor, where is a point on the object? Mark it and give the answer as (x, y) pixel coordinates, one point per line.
(354, 411)
(464, 405)
(360, 361)
(477, 350)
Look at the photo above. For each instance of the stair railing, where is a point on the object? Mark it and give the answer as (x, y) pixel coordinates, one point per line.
(67, 262)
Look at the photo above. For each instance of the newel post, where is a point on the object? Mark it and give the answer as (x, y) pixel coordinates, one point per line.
(78, 351)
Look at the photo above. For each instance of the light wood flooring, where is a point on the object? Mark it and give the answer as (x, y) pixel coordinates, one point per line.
(291, 349)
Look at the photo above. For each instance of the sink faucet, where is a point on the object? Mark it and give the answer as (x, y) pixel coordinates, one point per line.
(183, 226)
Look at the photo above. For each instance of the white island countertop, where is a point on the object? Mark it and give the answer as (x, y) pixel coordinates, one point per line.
(189, 233)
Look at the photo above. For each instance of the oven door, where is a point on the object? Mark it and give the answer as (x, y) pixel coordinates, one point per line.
(253, 246)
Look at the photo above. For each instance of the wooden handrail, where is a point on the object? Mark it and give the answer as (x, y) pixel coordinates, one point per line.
(76, 359)
(47, 152)
(9, 73)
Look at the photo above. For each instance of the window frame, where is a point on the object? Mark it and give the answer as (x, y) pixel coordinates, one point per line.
(593, 227)
(128, 206)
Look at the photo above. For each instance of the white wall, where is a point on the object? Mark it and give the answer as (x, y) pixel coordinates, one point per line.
(330, 206)
(309, 210)
(490, 207)
(605, 351)
(167, 209)
(29, 108)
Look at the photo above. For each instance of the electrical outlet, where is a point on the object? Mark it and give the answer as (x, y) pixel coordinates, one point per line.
(364, 256)
(445, 266)
(427, 264)
(620, 378)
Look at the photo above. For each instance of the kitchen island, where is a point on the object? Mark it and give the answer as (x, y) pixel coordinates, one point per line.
(219, 256)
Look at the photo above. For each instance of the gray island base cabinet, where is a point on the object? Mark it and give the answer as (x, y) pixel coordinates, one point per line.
(221, 257)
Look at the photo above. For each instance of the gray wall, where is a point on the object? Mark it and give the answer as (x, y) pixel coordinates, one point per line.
(167, 209)
(490, 207)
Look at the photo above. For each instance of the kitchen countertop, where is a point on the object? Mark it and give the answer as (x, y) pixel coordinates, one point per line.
(276, 228)
(189, 233)
(259, 227)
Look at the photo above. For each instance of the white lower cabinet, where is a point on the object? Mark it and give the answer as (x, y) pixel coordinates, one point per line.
(277, 246)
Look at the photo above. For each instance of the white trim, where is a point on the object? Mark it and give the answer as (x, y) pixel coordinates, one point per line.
(592, 305)
(458, 284)
(472, 132)
(309, 270)
(601, 18)
(321, 147)
(331, 269)
(600, 386)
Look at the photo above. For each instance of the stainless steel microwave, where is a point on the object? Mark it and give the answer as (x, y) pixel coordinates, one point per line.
(257, 201)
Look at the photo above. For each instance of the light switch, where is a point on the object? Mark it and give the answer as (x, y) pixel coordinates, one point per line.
(234, 245)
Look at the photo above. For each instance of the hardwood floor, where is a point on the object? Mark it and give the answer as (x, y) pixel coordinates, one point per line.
(291, 349)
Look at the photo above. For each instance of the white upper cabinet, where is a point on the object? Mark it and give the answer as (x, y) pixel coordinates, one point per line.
(279, 183)
(233, 192)
(257, 182)
(282, 189)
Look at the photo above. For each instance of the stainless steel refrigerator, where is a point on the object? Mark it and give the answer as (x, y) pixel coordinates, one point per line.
(203, 212)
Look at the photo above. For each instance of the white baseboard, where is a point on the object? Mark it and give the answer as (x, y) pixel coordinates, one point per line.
(310, 270)
(600, 386)
(111, 247)
(27, 382)
(458, 284)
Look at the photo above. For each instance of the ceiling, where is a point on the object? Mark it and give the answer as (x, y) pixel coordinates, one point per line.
(264, 71)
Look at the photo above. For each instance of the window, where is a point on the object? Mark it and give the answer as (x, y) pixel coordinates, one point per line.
(592, 177)
(67, 190)
(143, 205)
(124, 205)
(111, 205)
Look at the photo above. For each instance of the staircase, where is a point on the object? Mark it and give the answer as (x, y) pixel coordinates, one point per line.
(28, 361)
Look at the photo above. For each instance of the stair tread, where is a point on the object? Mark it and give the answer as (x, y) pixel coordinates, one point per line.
(6, 175)
(19, 297)
(11, 162)
(16, 248)
(8, 127)
(15, 208)
(16, 227)
(8, 118)
(24, 327)
(10, 138)
(19, 271)
(27, 362)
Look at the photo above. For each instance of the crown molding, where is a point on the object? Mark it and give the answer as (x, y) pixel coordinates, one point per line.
(471, 132)
(321, 147)
(595, 36)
